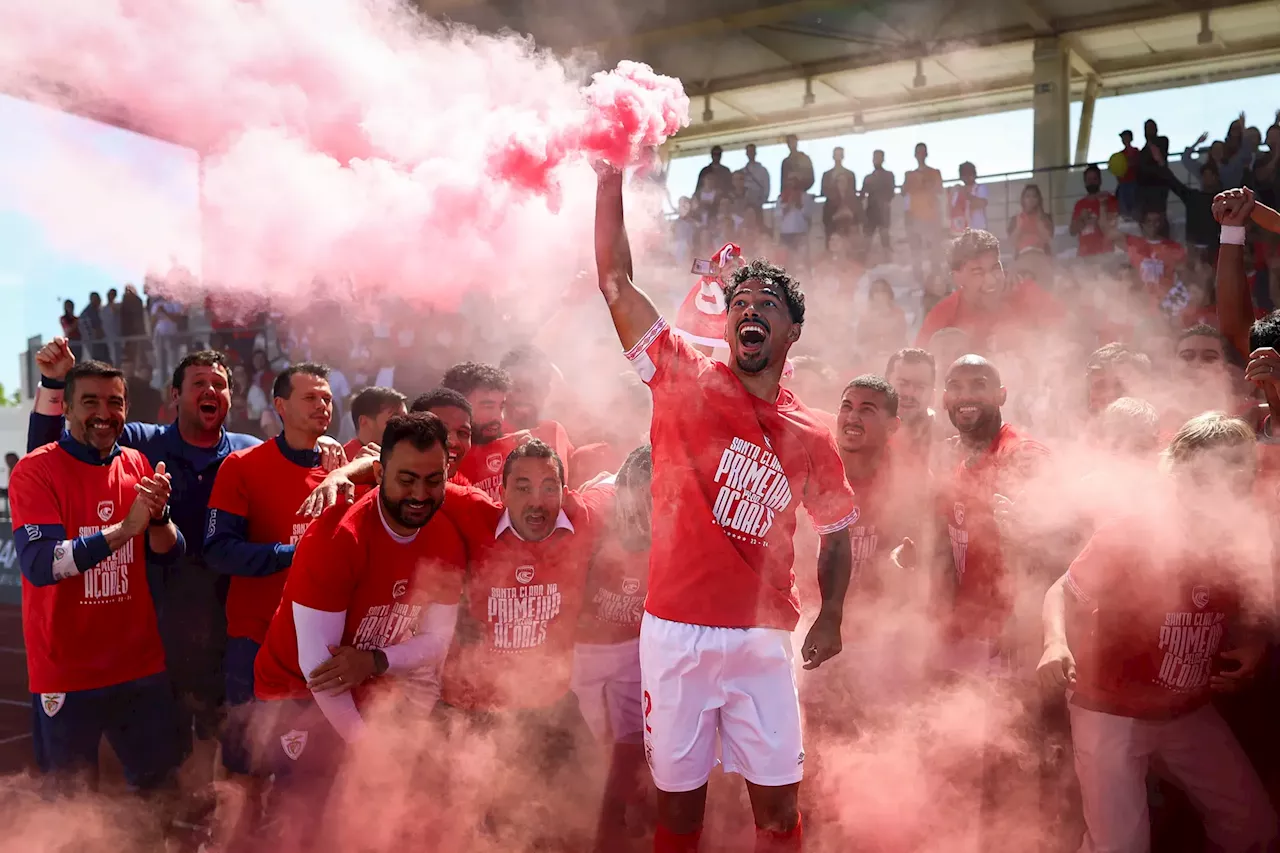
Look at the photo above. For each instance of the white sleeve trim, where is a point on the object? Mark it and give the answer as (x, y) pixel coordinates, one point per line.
(713, 343)
(428, 647)
(64, 561)
(646, 339)
(317, 630)
(828, 529)
(1075, 589)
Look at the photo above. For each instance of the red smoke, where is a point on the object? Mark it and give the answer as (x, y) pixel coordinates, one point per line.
(343, 141)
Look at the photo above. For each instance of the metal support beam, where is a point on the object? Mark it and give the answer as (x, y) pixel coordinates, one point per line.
(1051, 107)
(1085, 132)
(716, 26)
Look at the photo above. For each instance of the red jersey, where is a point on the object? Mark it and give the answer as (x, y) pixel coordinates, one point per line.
(1157, 623)
(482, 466)
(350, 561)
(592, 459)
(1093, 241)
(727, 469)
(1026, 308)
(352, 448)
(982, 602)
(263, 487)
(1155, 261)
(515, 644)
(98, 628)
(617, 582)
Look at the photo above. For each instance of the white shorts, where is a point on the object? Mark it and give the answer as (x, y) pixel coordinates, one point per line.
(606, 680)
(739, 683)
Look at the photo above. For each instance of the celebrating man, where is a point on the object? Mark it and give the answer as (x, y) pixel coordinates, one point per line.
(732, 450)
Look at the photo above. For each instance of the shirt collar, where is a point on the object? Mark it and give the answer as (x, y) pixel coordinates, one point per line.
(504, 523)
(304, 458)
(85, 453)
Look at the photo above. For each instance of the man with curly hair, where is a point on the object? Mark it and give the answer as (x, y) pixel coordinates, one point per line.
(734, 453)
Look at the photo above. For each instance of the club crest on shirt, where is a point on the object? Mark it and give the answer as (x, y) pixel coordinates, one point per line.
(494, 462)
(399, 589)
(524, 574)
(630, 586)
(959, 511)
(33, 532)
(1200, 596)
(106, 509)
(52, 702)
(293, 743)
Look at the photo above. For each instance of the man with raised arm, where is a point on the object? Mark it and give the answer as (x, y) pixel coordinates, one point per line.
(732, 452)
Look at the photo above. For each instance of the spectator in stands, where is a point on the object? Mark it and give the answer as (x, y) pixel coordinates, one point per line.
(71, 328)
(877, 191)
(1238, 151)
(164, 329)
(145, 400)
(797, 166)
(840, 210)
(1266, 177)
(1154, 257)
(1202, 228)
(91, 328)
(1093, 216)
(1031, 227)
(110, 316)
(133, 322)
(794, 224)
(239, 418)
(1153, 192)
(1127, 183)
(922, 188)
(714, 184)
(967, 202)
(755, 180)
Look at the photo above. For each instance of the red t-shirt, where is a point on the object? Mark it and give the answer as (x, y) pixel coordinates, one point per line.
(99, 628)
(1093, 240)
(515, 642)
(261, 485)
(617, 582)
(727, 469)
(482, 466)
(1159, 617)
(592, 459)
(981, 603)
(1026, 308)
(1155, 262)
(348, 561)
(352, 448)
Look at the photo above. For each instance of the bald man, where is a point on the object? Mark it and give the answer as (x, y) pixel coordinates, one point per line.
(989, 470)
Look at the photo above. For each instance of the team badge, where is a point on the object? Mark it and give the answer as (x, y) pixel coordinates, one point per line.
(400, 588)
(959, 511)
(494, 462)
(52, 702)
(33, 532)
(293, 742)
(106, 509)
(1200, 596)
(524, 574)
(630, 586)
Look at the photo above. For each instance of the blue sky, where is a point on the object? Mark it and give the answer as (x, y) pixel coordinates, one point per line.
(36, 273)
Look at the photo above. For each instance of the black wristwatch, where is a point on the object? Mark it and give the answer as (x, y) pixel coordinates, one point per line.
(380, 663)
(163, 519)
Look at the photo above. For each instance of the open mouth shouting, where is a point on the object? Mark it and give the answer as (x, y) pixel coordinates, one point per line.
(752, 335)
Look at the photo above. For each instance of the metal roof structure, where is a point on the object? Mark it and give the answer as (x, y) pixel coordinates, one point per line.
(757, 69)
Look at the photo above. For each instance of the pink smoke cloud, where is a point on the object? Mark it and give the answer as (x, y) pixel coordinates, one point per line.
(344, 142)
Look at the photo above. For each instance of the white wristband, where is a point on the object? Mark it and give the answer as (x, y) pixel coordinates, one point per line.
(1232, 235)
